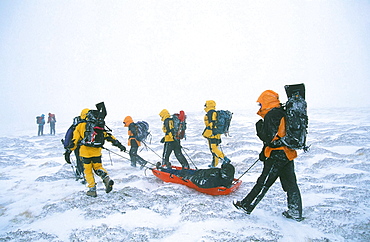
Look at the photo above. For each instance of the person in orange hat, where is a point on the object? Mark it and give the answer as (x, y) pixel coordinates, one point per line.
(133, 142)
(278, 159)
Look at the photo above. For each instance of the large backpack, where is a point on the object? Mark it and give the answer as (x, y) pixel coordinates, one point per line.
(38, 120)
(69, 134)
(223, 121)
(94, 132)
(296, 118)
(142, 130)
(179, 123)
(52, 118)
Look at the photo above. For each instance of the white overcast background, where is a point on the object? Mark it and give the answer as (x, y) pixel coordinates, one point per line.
(142, 56)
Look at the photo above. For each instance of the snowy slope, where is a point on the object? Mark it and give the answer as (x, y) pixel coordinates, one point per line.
(41, 201)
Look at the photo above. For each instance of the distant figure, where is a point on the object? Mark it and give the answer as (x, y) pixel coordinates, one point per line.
(52, 121)
(40, 120)
(133, 142)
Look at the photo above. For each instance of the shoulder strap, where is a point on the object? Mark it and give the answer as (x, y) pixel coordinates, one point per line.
(210, 115)
(167, 125)
(133, 128)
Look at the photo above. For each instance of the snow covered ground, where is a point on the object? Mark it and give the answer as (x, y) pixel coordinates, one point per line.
(41, 201)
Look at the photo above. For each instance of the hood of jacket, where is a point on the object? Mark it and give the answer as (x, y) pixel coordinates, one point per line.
(210, 105)
(127, 121)
(268, 100)
(84, 112)
(164, 114)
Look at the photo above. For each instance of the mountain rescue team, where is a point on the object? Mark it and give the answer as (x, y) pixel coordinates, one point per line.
(277, 158)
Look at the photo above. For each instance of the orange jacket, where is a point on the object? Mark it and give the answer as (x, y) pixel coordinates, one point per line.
(269, 100)
(127, 122)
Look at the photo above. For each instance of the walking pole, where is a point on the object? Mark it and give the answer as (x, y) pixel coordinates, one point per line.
(151, 149)
(189, 158)
(123, 156)
(248, 169)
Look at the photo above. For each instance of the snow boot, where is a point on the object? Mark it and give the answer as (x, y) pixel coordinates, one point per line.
(167, 164)
(91, 192)
(108, 184)
(83, 181)
(240, 206)
(142, 164)
(293, 215)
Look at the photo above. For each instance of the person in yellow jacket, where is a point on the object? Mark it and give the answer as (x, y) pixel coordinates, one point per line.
(170, 142)
(133, 142)
(91, 156)
(278, 159)
(213, 139)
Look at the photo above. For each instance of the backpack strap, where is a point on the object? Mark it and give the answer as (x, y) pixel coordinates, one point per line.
(210, 116)
(133, 128)
(167, 126)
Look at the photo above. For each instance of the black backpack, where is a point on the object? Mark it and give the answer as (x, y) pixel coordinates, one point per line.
(142, 130)
(295, 117)
(95, 127)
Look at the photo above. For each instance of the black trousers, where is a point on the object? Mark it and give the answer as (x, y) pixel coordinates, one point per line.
(134, 157)
(80, 166)
(277, 166)
(176, 148)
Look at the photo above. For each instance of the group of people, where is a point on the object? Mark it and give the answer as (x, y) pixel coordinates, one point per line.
(278, 160)
(40, 121)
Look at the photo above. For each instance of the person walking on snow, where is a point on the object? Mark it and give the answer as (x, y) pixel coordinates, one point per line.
(40, 120)
(52, 120)
(91, 157)
(133, 142)
(278, 159)
(171, 143)
(213, 139)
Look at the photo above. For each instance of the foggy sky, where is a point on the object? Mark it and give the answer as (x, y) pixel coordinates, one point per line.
(142, 56)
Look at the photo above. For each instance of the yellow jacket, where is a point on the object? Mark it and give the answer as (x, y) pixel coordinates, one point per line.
(79, 134)
(168, 125)
(208, 133)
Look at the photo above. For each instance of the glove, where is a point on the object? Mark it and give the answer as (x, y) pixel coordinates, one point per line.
(119, 145)
(262, 156)
(122, 148)
(67, 156)
(276, 144)
(71, 144)
(162, 140)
